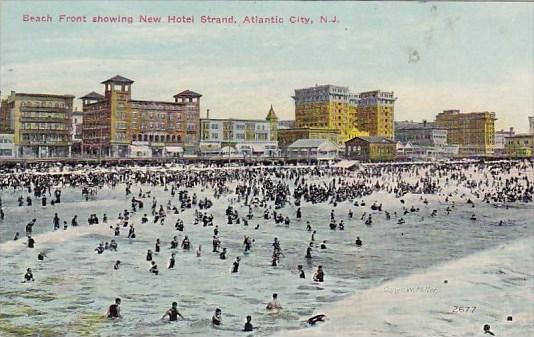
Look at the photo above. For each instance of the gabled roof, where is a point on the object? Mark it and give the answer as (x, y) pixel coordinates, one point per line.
(118, 79)
(308, 143)
(93, 95)
(374, 139)
(187, 93)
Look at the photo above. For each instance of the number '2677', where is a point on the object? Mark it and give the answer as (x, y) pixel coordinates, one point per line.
(463, 309)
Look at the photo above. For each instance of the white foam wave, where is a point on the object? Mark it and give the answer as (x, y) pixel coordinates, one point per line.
(498, 282)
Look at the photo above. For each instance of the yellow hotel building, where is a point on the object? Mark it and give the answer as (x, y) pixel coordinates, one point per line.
(327, 106)
(375, 113)
(474, 132)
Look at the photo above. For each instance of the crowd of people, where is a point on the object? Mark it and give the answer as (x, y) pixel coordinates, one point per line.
(277, 193)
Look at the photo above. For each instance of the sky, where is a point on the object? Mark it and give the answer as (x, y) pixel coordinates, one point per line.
(433, 55)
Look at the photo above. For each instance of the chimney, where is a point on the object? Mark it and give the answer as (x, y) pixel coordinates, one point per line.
(207, 113)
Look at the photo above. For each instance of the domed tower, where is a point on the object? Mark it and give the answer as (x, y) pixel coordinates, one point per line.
(273, 121)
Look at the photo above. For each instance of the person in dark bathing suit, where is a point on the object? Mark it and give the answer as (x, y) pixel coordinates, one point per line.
(173, 313)
(217, 319)
(114, 310)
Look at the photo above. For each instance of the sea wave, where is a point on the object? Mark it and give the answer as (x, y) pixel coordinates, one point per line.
(494, 287)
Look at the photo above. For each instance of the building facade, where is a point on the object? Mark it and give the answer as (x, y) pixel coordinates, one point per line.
(40, 123)
(531, 125)
(76, 132)
(7, 147)
(500, 140)
(375, 113)
(286, 124)
(114, 122)
(520, 145)
(473, 132)
(329, 107)
(424, 134)
(245, 136)
(372, 148)
(312, 149)
(287, 137)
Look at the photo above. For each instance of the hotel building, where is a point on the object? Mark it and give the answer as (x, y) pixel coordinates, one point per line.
(473, 132)
(40, 124)
(116, 125)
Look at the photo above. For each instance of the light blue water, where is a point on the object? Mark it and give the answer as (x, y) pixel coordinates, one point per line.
(74, 286)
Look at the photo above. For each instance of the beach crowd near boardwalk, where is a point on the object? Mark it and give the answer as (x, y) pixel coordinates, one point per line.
(162, 248)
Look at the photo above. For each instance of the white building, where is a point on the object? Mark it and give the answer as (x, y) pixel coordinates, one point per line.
(7, 147)
(312, 149)
(248, 137)
(500, 140)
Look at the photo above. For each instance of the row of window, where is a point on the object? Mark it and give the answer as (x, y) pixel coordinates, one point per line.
(44, 138)
(44, 104)
(156, 138)
(44, 126)
(36, 114)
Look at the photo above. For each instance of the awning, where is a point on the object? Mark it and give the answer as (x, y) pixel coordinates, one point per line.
(174, 149)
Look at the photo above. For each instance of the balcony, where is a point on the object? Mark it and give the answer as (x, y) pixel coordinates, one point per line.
(46, 142)
(51, 131)
(43, 108)
(47, 119)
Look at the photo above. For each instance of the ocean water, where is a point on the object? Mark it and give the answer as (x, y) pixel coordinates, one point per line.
(74, 286)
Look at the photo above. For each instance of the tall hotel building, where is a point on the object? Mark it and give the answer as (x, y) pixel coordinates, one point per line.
(327, 106)
(114, 123)
(375, 113)
(40, 123)
(474, 132)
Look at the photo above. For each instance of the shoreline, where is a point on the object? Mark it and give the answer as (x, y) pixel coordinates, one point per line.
(453, 299)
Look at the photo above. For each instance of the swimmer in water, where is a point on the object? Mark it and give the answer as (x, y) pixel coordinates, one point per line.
(116, 265)
(31, 242)
(487, 329)
(28, 276)
(173, 313)
(114, 310)
(248, 325)
(317, 318)
(358, 241)
(301, 271)
(235, 267)
(199, 251)
(154, 268)
(217, 317)
(319, 274)
(309, 251)
(274, 304)
(172, 260)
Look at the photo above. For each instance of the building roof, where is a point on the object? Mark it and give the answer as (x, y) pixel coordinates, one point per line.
(118, 79)
(404, 125)
(271, 115)
(312, 129)
(42, 95)
(374, 139)
(520, 135)
(93, 95)
(234, 120)
(187, 93)
(308, 143)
